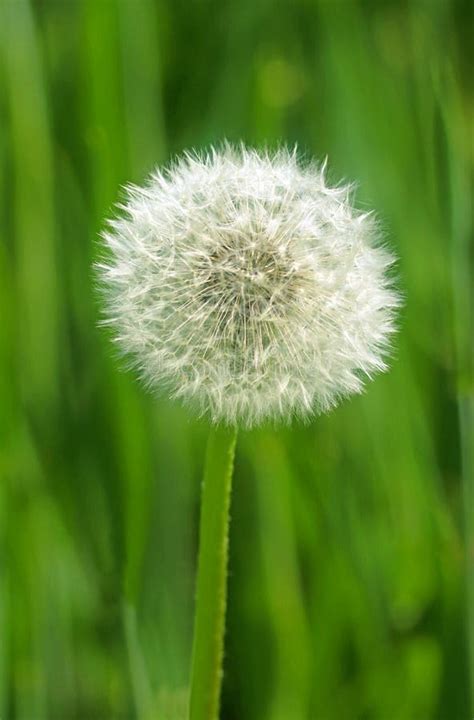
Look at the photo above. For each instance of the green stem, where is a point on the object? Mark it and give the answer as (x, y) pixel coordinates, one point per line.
(139, 676)
(211, 593)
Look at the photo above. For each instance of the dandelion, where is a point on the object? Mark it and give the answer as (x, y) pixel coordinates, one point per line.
(245, 286)
(242, 284)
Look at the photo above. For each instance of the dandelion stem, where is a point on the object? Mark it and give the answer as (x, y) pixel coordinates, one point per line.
(211, 595)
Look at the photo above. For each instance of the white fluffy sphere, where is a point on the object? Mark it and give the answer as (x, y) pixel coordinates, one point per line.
(239, 282)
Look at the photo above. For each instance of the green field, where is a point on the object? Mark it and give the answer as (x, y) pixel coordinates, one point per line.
(351, 581)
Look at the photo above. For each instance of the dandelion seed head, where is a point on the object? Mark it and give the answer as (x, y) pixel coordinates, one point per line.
(241, 283)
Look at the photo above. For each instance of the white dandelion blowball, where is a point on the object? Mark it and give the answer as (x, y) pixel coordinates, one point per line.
(240, 283)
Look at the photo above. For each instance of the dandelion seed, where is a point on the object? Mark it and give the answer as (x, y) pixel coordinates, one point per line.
(245, 286)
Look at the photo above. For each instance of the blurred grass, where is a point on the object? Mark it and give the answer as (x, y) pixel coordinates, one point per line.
(352, 539)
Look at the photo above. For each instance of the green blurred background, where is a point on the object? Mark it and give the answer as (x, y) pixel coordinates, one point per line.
(352, 539)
